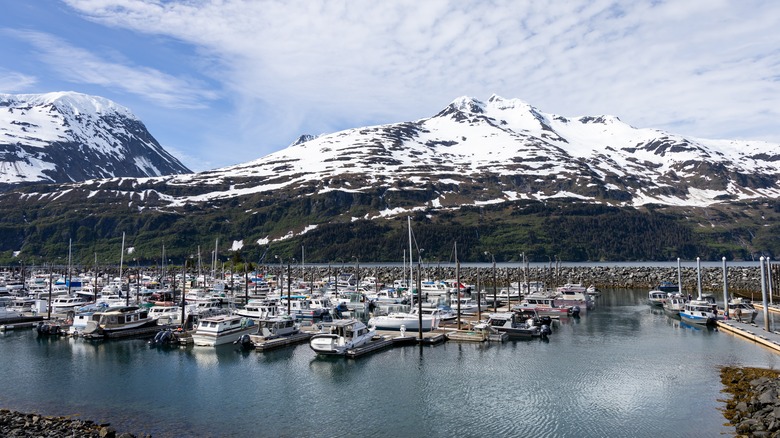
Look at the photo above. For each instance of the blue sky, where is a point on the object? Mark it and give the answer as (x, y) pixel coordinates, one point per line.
(220, 82)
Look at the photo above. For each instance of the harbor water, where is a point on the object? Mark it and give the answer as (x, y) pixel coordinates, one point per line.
(622, 369)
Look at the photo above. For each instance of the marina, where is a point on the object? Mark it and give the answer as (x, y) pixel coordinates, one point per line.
(593, 376)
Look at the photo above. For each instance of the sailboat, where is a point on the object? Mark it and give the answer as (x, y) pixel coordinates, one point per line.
(407, 320)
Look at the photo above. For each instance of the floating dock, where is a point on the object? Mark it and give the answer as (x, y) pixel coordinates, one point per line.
(24, 322)
(374, 345)
(282, 342)
(752, 332)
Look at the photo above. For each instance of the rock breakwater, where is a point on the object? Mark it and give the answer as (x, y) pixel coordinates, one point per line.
(743, 280)
(18, 424)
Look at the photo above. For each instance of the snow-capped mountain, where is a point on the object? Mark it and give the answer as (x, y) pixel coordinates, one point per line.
(475, 152)
(66, 137)
(498, 173)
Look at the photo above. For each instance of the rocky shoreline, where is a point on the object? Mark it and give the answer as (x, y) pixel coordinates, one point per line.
(743, 280)
(18, 424)
(754, 409)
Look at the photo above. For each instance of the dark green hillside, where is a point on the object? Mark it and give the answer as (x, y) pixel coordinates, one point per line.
(563, 229)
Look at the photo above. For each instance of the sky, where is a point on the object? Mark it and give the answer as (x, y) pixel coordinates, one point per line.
(222, 82)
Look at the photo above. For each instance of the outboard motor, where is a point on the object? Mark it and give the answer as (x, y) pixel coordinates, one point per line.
(163, 337)
(545, 320)
(545, 330)
(575, 311)
(245, 342)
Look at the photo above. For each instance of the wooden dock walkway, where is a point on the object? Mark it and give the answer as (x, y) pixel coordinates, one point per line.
(754, 332)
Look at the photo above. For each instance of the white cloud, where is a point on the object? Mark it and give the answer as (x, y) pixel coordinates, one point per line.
(81, 66)
(14, 82)
(706, 69)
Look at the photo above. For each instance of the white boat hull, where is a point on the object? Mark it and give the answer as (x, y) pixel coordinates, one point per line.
(212, 340)
(407, 321)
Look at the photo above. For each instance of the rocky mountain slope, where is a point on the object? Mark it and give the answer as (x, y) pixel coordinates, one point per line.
(67, 137)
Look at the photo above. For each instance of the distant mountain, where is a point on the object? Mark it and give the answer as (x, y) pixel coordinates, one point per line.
(498, 175)
(69, 137)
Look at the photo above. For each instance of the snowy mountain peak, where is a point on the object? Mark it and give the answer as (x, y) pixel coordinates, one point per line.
(69, 102)
(68, 136)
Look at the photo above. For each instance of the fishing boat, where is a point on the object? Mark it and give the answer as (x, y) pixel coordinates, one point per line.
(674, 304)
(468, 306)
(698, 312)
(62, 304)
(165, 315)
(339, 336)
(274, 327)
(259, 309)
(575, 295)
(222, 329)
(656, 298)
(514, 326)
(302, 308)
(668, 287)
(116, 319)
(83, 315)
(546, 306)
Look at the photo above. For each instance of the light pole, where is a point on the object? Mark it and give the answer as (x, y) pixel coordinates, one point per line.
(495, 292)
(357, 273)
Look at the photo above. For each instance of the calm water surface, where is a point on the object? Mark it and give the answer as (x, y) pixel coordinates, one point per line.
(621, 370)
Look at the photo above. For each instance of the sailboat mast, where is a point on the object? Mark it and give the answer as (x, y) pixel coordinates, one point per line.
(121, 262)
(457, 280)
(411, 272)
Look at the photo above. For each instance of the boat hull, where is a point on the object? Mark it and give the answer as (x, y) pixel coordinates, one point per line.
(213, 340)
(696, 319)
(396, 323)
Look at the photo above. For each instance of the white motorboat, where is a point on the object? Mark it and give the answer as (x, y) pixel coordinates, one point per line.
(303, 308)
(339, 336)
(407, 320)
(259, 309)
(6, 313)
(545, 306)
(656, 298)
(165, 315)
(575, 295)
(467, 306)
(699, 312)
(222, 329)
(83, 315)
(270, 328)
(66, 303)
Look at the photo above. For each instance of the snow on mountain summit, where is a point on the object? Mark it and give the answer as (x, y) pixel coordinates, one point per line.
(506, 149)
(68, 136)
